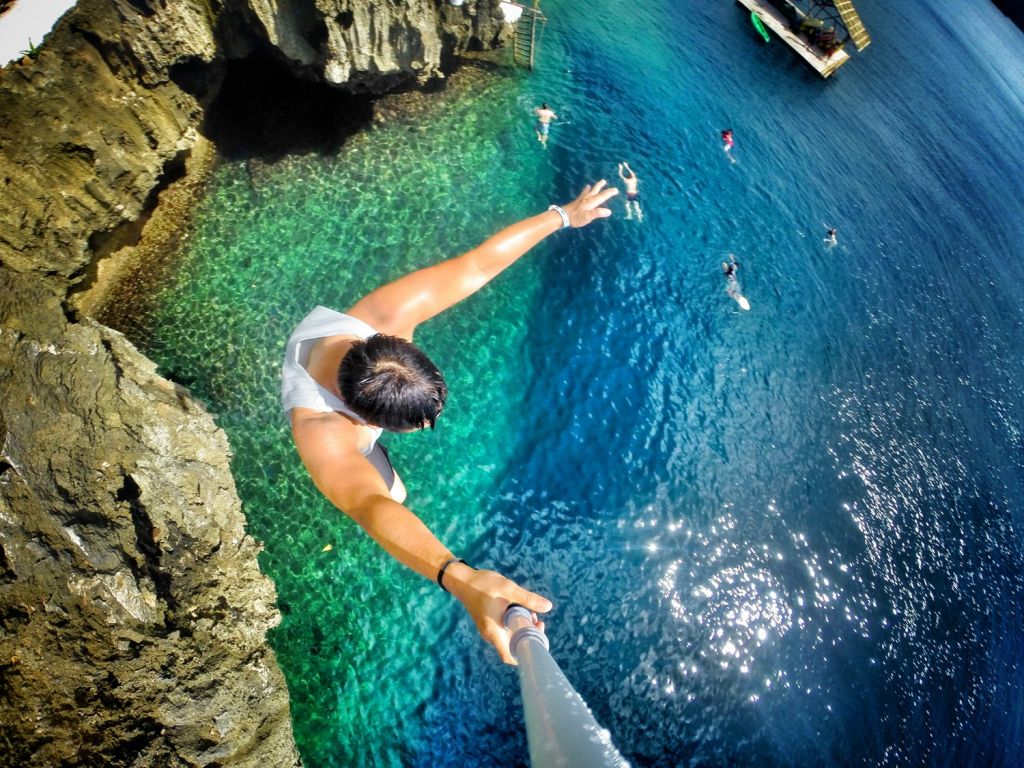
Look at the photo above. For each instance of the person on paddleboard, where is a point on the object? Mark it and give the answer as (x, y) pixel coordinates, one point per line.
(348, 377)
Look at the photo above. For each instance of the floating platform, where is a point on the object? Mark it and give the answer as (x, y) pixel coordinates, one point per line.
(824, 63)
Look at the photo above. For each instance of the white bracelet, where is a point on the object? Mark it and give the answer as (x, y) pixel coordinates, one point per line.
(565, 216)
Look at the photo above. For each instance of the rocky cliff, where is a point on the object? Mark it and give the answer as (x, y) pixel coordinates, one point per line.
(132, 611)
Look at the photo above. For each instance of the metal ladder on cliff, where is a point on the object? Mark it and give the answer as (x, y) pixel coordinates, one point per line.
(526, 43)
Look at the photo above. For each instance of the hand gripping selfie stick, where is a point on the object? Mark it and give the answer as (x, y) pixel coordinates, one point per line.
(560, 729)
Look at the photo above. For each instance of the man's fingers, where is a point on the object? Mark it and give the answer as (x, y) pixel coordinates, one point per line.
(530, 600)
(605, 196)
(598, 186)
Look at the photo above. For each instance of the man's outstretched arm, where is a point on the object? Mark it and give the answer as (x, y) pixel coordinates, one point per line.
(398, 307)
(351, 483)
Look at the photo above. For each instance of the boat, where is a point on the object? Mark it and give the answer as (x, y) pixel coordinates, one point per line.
(816, 30)
(759, 25)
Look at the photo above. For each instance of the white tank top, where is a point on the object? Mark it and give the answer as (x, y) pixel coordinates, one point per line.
(298, 388)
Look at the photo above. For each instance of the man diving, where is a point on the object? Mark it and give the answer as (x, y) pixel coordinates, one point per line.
(349, 377)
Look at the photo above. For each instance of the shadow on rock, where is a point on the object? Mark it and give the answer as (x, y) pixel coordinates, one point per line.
(263, 111)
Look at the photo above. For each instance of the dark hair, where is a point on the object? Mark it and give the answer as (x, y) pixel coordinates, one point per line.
(390, 382)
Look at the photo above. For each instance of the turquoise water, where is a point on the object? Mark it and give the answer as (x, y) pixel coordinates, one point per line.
(789, 536)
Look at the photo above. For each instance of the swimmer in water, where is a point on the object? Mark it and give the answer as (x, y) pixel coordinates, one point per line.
(727, 142)
(729, 270)
(830, 238)
(632, 193)
(732, 284)
(544, 117)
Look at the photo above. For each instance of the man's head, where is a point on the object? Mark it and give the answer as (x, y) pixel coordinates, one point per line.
(390, 382)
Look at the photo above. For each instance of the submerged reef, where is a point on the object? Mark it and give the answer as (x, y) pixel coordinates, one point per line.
(132, 611)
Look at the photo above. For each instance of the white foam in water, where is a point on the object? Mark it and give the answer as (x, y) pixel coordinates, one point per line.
(28, 21)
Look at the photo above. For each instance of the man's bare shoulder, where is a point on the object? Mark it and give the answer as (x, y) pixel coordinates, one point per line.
(317, 432)
(328, 444)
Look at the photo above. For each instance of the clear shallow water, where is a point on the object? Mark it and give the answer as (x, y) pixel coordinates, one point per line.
(785, 537)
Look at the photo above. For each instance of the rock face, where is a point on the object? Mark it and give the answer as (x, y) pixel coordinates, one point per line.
(132, 611)
(357, 43)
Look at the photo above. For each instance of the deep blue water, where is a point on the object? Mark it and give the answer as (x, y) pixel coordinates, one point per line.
(788, 536)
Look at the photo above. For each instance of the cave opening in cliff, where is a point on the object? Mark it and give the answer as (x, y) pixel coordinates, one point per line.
(263, 110)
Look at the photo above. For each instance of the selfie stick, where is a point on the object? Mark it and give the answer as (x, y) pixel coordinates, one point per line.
(560, 729)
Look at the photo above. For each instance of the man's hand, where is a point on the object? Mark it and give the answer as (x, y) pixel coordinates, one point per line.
(588, 206)
(486, 595)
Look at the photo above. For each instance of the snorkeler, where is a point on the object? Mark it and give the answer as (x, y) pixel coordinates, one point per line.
(632, 193)
(544, 117)
(349, 377)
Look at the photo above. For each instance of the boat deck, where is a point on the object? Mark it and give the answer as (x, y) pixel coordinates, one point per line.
(773, 19)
